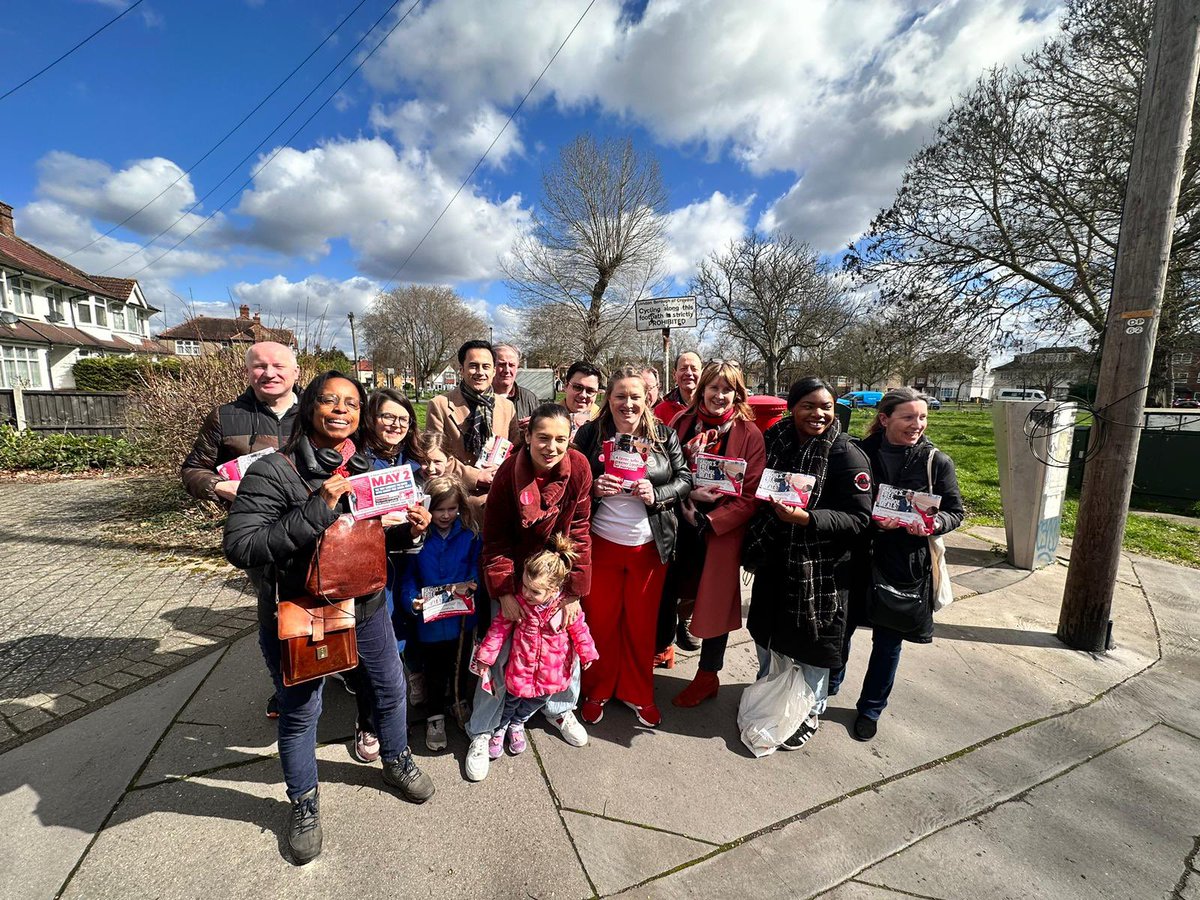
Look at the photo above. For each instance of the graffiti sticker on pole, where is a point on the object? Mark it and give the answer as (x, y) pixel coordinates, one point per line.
(656, 313)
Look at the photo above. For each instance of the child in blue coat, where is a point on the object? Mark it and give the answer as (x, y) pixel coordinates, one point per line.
(450, 556)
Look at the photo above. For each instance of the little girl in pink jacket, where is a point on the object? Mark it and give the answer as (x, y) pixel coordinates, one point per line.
(543, 647)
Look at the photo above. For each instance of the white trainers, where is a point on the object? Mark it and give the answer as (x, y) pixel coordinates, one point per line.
(477, 758)
(573, 732)
(435, 733)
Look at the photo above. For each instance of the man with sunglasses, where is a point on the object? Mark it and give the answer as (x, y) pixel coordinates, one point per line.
(679, 398)
(582, 387)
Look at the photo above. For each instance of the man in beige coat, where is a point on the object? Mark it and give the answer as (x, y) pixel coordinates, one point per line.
(471, 413)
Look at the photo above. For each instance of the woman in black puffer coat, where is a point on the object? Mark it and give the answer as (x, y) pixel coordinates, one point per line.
(897, 558)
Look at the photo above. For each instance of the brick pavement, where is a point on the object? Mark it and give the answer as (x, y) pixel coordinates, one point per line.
(86, 614)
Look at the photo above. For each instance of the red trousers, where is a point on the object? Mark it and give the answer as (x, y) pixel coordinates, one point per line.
(622, 613)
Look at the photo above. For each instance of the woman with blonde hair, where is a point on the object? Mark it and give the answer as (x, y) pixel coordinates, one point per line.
(633, 539)
(704, 576)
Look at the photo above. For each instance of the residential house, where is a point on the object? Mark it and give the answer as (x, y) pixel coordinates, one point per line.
(1049, 369)
(954, 377)
(202, 335)
(53, 314)
(1185, 374)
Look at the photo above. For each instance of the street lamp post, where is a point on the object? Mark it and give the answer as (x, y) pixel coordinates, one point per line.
(353, 343)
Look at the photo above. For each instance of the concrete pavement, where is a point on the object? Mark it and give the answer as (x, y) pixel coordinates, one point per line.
(1006, 766)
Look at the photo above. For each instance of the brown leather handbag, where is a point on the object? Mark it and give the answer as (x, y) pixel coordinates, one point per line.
(316, 638)
(350, 560)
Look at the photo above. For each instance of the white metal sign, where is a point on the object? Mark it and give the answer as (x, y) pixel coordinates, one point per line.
(657, 313)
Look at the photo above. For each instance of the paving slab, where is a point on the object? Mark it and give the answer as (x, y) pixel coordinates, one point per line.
(858, 890)
(501, 838)
(57, 790)
(618, 855)
(1045, 844)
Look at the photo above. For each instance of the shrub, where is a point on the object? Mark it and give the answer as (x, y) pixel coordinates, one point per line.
(118, 373)
(29, 450)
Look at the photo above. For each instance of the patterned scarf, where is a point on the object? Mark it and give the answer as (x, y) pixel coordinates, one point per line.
(705, 434)
(807, 566)
(478, 427)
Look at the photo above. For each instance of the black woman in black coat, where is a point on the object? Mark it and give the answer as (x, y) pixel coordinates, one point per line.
(899, 562)
(284, 503)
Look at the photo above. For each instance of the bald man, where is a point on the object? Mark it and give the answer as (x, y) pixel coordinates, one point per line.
(261, 417)
(687, 376)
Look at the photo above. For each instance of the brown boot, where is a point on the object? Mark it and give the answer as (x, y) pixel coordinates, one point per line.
(703, 687)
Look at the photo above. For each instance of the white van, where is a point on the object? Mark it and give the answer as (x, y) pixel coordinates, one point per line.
(1020, 394)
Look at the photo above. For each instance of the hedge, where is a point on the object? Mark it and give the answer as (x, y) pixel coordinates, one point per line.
(65, 452)
(118, 373)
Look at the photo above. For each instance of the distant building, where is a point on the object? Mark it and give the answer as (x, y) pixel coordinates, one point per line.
(954, 377)
(1049, 369)
(53, 314)
(1185, 374)
(202, 335)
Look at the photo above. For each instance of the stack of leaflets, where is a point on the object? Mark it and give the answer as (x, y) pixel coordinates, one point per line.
(789, 488)
(447, 600)
(235, 469)
(724, 474)
(494, 452)
(625, 458)
(906, 505)
(383, 491)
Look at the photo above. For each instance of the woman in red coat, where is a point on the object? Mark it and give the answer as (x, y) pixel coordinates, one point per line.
(719, 421)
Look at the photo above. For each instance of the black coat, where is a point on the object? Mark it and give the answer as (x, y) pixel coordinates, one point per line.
(895, 556)
(840, 516)
(274, 525)
(667, 471)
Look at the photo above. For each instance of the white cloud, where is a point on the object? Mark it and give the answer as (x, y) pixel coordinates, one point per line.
(314, 307)
(696, 230)
(382, 202)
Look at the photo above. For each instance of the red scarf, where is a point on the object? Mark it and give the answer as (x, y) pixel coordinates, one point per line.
(347, 450)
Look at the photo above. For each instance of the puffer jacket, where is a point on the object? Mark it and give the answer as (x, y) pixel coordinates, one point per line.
(667, 472)
(542, 654)
(443, 560)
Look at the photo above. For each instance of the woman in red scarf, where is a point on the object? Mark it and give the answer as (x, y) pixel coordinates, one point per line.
(719, 421)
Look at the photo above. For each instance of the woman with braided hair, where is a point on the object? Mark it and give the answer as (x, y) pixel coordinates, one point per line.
(801, 557)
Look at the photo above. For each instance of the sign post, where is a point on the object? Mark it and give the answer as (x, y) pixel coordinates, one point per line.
(663, 314)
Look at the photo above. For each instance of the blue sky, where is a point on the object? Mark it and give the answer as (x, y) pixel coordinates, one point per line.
(778, 114)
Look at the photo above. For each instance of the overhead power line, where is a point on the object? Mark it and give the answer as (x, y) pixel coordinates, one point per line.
(46, 68)
(478, 163)
(277, 150)
(225, 137)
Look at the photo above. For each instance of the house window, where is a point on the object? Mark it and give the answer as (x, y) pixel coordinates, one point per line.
(1181, 376)
(21, 294)
(101, 311)
(20, 366)
(1181, 359)
(54, 299)
(187, 348)
(117, 312)
(83, 312)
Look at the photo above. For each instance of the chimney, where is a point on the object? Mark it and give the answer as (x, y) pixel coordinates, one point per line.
(6, 221)
(257, 318)
(244, 311)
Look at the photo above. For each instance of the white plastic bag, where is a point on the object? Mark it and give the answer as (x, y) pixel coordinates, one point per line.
(774, 706)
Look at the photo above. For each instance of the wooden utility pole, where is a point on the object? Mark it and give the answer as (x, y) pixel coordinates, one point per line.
(1143, 250)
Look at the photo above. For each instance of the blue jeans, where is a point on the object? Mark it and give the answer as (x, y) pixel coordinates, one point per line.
(881, 670)
(519, 710)
(488, 708)
(815, 677)
(300, 705)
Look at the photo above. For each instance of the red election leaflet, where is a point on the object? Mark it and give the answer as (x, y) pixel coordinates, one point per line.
(724, 474)
(235, 469)
(447, 600)
(789, 488)
(625, 458)
(906, 505)
(383, 491)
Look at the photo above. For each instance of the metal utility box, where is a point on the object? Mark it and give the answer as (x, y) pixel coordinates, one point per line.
(1033, 449)
(540, 381)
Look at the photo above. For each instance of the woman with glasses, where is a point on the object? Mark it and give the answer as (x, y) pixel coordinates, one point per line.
(284, 503)
(633, 539)
(705, 576)
(390, 439)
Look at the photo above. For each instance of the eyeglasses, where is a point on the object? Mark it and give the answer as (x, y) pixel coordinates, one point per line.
(391, 419)
(583, 389)
(335, 400)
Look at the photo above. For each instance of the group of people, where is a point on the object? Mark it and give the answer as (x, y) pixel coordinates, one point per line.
(584, 578)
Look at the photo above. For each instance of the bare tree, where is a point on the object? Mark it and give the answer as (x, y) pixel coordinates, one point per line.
(418, 328)
(773, 293)
(596, 243)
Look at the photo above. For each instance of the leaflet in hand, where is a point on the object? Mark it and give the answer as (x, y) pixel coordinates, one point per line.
(235, 469)
(447, 600)
(625, 458)
(383, 491)
(723, 474)
(495, 451)
(789, 488)
(906, 505)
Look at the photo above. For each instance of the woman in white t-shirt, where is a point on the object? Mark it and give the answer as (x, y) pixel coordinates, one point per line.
(639, 479)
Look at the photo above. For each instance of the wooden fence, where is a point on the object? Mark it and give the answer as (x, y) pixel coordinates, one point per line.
(70, 412)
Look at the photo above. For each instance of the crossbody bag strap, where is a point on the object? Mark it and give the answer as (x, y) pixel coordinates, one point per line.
(316, 557)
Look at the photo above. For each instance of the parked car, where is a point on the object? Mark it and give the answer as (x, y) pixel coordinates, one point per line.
(1184, 403)
(1020, 394)
(933, 402)
(869, 399)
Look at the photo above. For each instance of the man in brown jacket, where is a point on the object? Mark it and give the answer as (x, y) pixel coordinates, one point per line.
(261, 417)
(470, 414)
